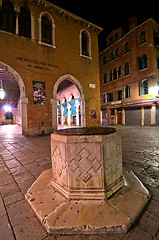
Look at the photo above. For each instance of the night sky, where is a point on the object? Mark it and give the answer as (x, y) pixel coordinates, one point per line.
(110, 14)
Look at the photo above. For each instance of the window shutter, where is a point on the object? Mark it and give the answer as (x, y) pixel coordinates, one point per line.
(140, 89)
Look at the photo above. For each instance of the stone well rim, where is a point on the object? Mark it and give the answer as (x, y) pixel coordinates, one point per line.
(86, 131)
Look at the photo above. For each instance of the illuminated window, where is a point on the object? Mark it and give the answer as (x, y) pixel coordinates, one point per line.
(7, 17)
(142, 62)
(144, 87)
(104, 98)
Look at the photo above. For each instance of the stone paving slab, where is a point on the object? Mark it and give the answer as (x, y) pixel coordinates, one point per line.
(140, 153)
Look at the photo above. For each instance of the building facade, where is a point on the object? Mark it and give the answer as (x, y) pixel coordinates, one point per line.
(129, 75)
(45, 48)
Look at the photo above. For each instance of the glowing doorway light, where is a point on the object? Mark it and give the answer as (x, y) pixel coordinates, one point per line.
(2, 93)
(7, 108)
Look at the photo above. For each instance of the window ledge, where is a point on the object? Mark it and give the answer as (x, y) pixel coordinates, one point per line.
(141, 70)
(85, 56)
(46, 44)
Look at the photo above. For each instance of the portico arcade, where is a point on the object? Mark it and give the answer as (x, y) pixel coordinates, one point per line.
(15, 97)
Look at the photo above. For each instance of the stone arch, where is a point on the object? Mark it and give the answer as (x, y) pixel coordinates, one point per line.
(23, 99)
(54, 100)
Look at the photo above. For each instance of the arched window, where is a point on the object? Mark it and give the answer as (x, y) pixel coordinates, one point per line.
(114, 74)
(142, 62)
(126, 48)
(142, 37)
(46, 29)
(104, 60)
(25, 23)
(143, 87)
(126, 69)
(85, 44)
(119, 72)
(110, 75)
(104, 78)
(7, 17)
(116, 53)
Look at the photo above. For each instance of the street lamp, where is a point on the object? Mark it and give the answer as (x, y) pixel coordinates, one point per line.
(2, 93)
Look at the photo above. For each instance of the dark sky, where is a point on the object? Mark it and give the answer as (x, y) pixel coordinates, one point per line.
(110, 14)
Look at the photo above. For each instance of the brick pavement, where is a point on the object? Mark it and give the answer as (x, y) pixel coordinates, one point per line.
(22, 160)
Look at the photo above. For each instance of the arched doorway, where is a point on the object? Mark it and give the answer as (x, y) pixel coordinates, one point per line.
(68, 103)
(15, 98)
(8, 118)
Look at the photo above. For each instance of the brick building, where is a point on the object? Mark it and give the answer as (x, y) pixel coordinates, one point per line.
(45, 48)
(129, 75)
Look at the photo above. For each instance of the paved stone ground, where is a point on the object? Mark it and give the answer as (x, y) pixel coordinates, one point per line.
(22, 159)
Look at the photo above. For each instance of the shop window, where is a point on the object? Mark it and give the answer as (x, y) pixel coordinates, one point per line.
(127, 92)
(142, 37)
(126, 69)
(104, 78)
(46, 29)
(143, 88)
(25, 23)
(119, 95)
(7, 17)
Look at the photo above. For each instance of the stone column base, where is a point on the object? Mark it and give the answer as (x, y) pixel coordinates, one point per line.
(60, 215)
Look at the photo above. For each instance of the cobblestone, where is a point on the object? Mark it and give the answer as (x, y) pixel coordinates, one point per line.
(22, 160)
